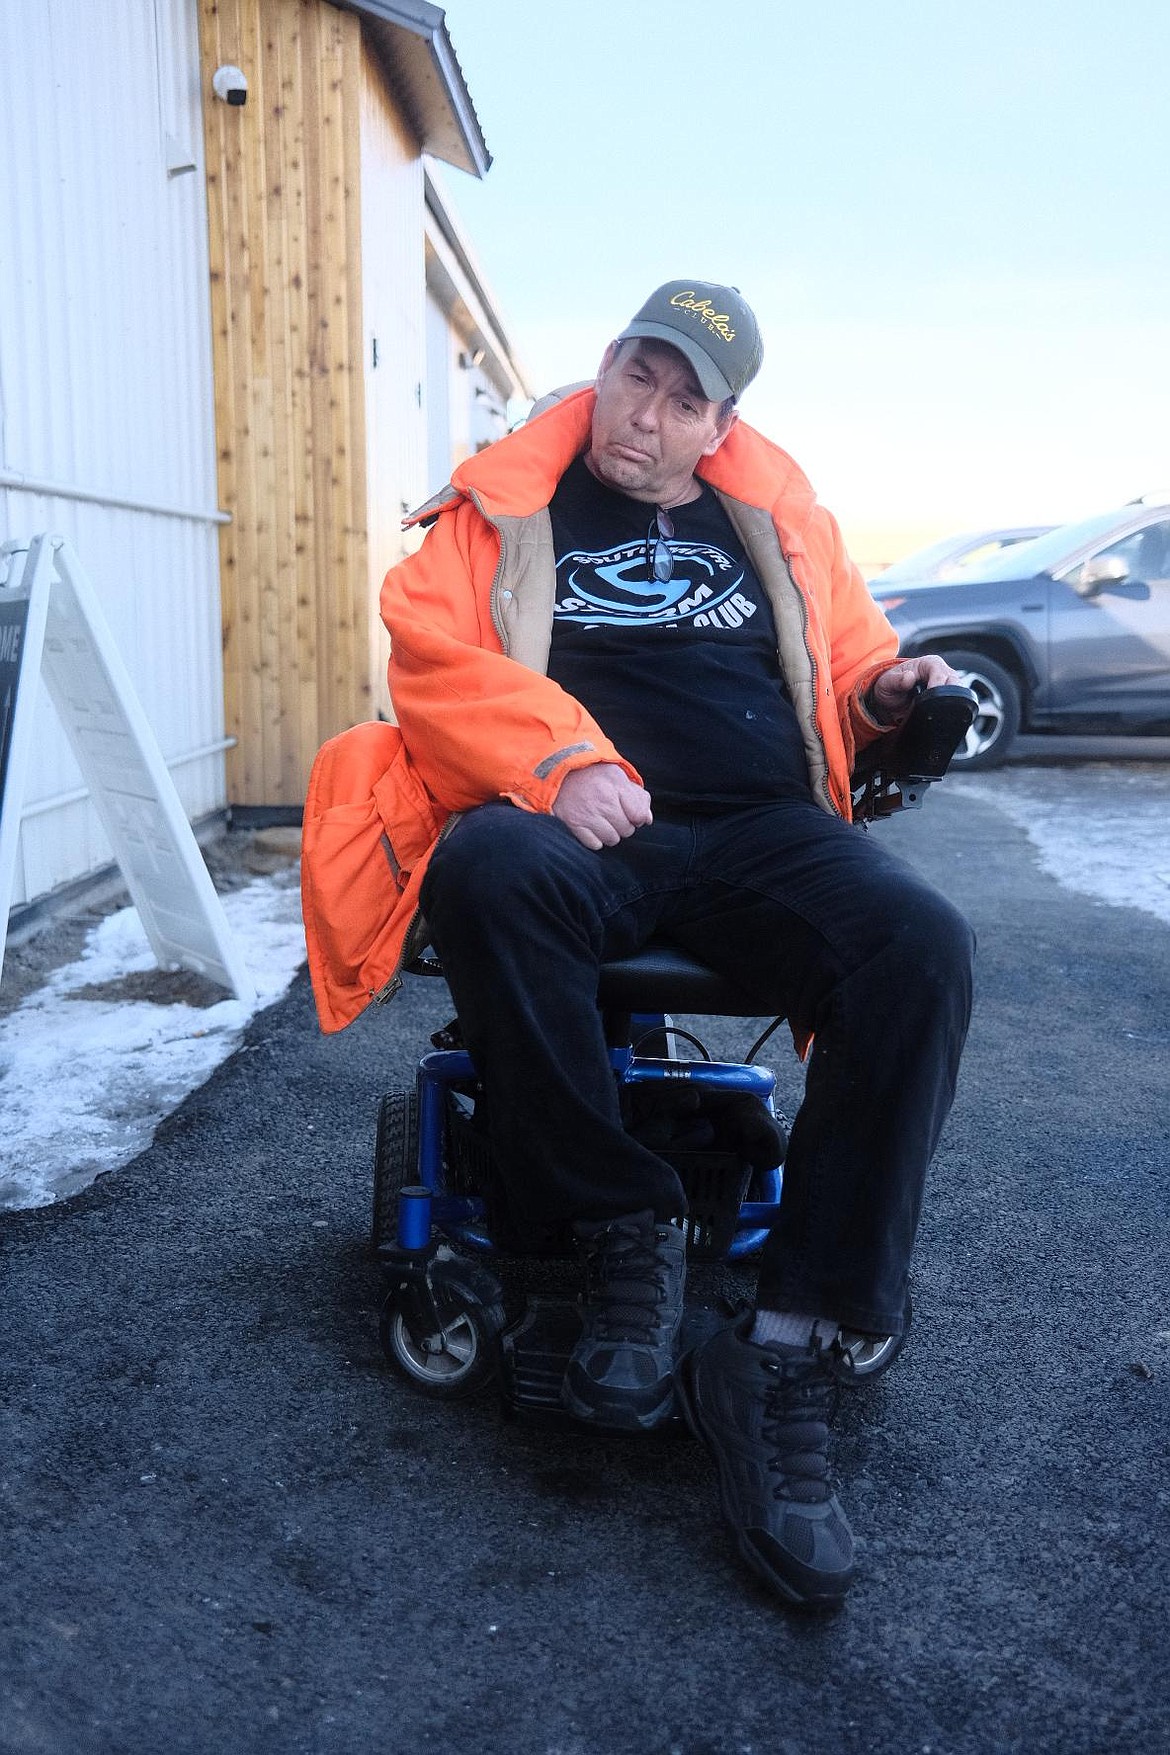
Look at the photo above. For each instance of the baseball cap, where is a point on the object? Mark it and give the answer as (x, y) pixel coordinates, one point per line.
(714, 327)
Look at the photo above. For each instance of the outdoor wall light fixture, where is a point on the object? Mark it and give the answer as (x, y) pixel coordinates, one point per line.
(230, 85)
(467, 360)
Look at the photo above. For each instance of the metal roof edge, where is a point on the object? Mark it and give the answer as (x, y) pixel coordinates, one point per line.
(420, 60)
(438, 205)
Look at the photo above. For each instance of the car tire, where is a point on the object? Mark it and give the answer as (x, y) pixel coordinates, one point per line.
(997, 719)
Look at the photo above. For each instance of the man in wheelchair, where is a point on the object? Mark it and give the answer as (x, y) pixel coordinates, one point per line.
(633, 670)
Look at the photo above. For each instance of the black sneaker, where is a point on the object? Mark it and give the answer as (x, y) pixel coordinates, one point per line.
(621, 1371)
(763, 1413)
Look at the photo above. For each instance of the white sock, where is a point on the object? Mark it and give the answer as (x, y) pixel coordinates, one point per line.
(786, 1328)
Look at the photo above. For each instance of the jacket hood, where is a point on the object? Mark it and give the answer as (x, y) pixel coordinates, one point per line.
(518, 474)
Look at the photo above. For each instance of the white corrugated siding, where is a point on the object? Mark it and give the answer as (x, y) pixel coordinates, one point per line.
(105, 373)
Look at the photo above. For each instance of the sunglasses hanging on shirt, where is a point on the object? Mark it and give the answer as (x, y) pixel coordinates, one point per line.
(659, 555)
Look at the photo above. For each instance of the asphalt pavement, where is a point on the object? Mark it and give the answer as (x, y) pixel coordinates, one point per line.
(229, 1527)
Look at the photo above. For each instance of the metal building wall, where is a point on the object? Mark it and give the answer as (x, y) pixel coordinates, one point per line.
(106, 405)
(441, 454)
(394, 323)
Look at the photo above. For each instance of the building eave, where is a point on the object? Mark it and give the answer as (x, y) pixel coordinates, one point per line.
(454, 274)
(411, 41)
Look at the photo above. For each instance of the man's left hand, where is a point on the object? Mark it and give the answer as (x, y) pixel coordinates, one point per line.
(892, 693)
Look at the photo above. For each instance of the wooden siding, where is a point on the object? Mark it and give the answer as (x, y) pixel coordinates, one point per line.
(284, 200)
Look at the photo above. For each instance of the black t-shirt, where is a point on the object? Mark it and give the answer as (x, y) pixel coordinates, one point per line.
(682, 676)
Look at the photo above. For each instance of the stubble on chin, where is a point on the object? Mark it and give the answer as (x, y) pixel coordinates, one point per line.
(617, 472)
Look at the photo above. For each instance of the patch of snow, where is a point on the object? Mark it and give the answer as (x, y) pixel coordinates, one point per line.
(84, 1082)
(1111, 844)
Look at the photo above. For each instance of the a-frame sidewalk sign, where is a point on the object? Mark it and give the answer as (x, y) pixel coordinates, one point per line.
(52, 625)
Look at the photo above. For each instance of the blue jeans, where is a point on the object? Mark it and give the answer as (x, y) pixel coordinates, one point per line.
(803, 912)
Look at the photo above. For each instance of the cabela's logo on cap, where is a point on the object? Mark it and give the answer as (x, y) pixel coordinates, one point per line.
(718, 322)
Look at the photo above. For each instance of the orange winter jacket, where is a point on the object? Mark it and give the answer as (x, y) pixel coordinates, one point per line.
(470, 617)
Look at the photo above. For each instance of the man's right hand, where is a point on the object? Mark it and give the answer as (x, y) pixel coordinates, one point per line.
(601, 805)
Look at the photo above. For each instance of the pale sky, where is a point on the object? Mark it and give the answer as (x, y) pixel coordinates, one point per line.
(951, 220)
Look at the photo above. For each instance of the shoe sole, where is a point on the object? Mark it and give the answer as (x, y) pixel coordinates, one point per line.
(687, 1401)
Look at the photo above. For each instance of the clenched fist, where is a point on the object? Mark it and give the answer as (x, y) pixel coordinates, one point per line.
(601, 805)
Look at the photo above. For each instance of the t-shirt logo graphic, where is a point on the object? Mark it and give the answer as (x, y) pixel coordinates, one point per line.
(610, 587)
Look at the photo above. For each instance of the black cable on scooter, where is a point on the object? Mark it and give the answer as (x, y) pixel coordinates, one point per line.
(760, 1040)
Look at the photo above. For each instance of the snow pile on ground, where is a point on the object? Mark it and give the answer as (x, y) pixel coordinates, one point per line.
(86, 1075)
(1114, 845)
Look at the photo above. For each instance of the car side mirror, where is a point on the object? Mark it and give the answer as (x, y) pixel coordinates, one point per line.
(1095, 575)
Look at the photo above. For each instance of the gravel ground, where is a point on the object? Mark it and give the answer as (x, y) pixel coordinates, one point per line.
(229, 1527)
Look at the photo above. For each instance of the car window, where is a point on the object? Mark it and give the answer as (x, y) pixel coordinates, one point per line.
(1144, 552)
(975, 557)
(1046, 553)
(919, 564)
(950, 558)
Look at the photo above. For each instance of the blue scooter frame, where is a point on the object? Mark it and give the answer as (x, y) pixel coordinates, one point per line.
(460, 1218)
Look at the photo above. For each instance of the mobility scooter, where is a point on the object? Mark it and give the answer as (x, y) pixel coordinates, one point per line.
(440, 1218)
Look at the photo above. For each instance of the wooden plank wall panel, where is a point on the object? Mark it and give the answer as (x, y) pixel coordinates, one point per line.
(331, 363)
(282, 683)
(284, 201)
(355, 530)
(226, 221)
(302, 630)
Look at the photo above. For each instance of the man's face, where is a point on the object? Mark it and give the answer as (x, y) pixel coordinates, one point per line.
(652, 423)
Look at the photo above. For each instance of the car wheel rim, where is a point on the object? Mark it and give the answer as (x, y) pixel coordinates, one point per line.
(987, 725)
(453, 1358)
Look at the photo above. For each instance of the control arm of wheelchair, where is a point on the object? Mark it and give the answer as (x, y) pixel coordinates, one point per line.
(893, 773)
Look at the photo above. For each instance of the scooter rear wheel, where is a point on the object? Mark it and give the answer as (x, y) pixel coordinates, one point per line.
(395, 1162)
(867, 1356)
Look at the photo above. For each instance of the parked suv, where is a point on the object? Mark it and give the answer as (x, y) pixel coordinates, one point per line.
(950, 558)
(1070, 632)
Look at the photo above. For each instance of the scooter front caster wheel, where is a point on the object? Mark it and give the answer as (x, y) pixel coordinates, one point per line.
(443, 1335)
